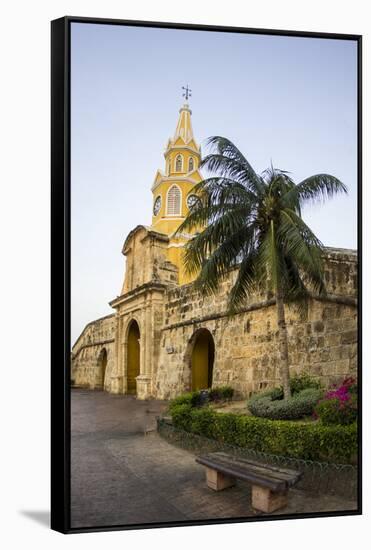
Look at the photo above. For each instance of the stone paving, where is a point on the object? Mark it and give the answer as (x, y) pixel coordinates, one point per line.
(124, 473)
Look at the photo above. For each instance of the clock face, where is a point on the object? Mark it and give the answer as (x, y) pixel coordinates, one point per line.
(157, 206)
(192, 201)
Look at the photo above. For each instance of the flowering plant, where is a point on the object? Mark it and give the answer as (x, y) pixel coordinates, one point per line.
(339, 405)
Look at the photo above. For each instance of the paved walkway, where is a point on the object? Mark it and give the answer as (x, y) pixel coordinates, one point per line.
(123, 472)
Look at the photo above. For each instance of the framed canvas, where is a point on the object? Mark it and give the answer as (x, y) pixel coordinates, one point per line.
(206, 280)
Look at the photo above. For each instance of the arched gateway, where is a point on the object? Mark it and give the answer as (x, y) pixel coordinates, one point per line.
(102, 366)
(202, 360)
(133, 357)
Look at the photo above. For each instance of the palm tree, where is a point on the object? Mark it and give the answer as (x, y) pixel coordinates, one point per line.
(253, 223)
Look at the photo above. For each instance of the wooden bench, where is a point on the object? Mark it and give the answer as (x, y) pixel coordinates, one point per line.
(270, 484)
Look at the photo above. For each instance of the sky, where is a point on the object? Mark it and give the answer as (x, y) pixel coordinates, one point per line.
(288, 101)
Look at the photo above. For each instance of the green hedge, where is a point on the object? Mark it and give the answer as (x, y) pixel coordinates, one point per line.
(191, 398)
(299, 405)
(305, 440)
(181, 415)
(198, 398)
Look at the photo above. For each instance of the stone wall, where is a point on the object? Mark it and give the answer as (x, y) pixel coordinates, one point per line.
(87, 358)
(322, 341)
(146, 259)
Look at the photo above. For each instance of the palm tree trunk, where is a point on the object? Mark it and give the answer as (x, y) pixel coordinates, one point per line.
(283, 346)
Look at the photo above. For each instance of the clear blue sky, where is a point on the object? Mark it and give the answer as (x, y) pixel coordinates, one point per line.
(292, 101)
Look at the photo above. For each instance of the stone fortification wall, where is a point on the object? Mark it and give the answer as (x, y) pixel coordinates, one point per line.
(322, 342)
(93, 355)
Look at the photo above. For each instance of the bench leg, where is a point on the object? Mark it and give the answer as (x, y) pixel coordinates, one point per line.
(266, 500)
(217, 481)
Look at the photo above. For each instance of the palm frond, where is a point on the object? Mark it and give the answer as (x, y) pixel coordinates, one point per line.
(254, 223)
(219, 197)
(217, 245)
(246, 283)
(216, 222)
(316, 188)
(215, 266)
(218, 189)
(295, 289)
(204, 216)
(229, 161)
(302, 247)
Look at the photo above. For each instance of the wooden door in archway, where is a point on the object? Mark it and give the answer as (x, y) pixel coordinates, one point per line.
(202, 361)
(133, 362)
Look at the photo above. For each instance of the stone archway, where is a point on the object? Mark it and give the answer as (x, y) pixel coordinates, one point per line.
(102, 367)
(201, 355)
(133, 357)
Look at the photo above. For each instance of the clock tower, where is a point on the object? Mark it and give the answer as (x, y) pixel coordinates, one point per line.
(172, 188)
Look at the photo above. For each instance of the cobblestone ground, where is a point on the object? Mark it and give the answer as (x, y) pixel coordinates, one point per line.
(123, 472)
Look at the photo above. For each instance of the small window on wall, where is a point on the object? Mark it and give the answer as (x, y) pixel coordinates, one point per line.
(179, 163)
(174, 201)
(191, 165)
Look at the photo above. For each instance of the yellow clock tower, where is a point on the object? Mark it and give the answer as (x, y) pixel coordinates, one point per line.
(172, 188)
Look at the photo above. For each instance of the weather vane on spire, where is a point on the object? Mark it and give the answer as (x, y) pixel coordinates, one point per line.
(187, 92)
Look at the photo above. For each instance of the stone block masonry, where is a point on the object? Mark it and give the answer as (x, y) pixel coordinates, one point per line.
(322, 339)
(93, 358)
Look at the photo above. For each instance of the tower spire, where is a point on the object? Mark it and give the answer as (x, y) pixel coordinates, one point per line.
(184, 127)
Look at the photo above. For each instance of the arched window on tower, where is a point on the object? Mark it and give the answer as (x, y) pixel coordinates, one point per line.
(174, 200)
(191, 164)
(179, 163)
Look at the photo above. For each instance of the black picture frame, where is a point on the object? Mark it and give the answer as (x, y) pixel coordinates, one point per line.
(61, 278)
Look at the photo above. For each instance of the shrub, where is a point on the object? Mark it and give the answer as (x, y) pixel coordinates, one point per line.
(193, 399)
(340, 405)
(309, 441)
(227, 392)
(302, 382)
(220, 393)
(332, 411)
(196, 399)
(201, 397)
(298, 383)
(276, 393)
(299, 405)
(202, 422)
(181, 415)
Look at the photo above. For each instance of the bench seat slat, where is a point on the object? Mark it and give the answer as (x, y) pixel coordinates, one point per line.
(231, 471)
(276, 479)
(277, 470)
(272, 471)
